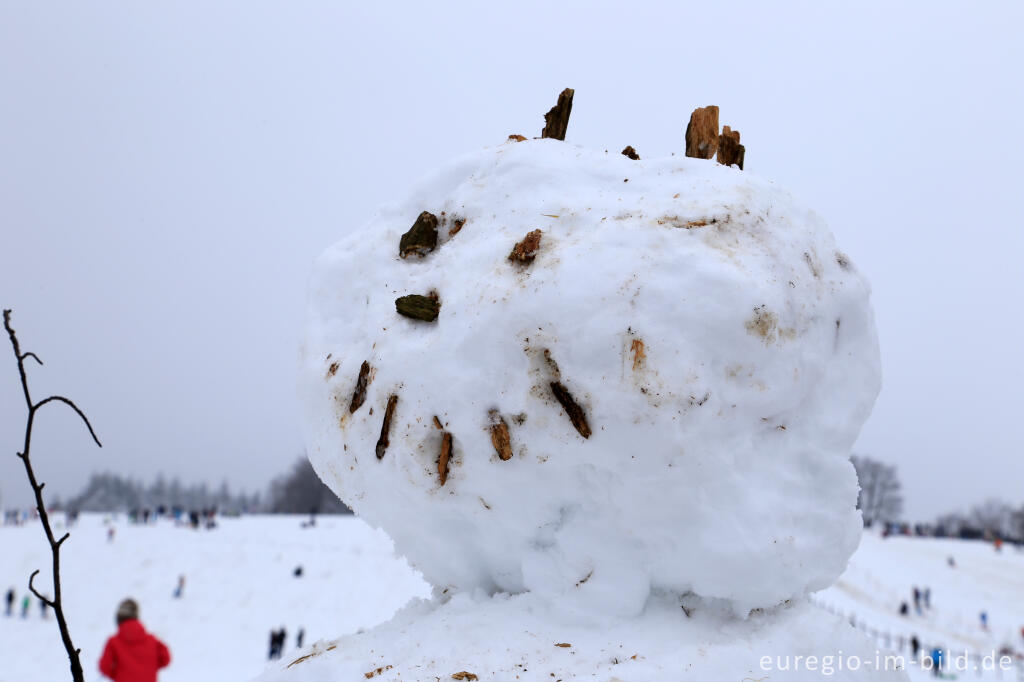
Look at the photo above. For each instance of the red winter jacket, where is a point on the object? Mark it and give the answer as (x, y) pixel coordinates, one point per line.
(133, 655)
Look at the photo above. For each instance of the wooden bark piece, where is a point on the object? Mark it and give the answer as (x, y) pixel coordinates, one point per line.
(730, 151)
(442, 460)
(575, 412)
(362, 381)
(421, 238)
(418, 307)
(631, 153)
(500, 438)
(702, 133)
(526, 250)
(385, 429)
(556, 121)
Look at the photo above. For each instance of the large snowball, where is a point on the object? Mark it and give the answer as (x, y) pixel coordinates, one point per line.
(720, 350)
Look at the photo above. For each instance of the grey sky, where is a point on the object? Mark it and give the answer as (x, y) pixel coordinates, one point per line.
(169, 171)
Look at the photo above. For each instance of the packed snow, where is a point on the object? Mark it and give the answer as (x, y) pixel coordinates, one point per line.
(717, 348)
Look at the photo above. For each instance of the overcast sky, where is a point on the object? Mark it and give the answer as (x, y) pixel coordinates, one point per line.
(169, 171)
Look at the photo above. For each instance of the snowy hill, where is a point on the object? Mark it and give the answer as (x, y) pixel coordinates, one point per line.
(884, 571)
(239, 586)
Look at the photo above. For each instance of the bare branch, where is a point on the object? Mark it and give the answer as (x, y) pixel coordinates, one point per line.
(32, 355)
(62, 399)
(33, 590)
(77, 674)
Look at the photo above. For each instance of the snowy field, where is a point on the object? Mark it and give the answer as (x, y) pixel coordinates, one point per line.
(240, 585)
(883, 573)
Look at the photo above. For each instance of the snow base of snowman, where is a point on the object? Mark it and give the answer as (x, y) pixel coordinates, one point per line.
(604, 386)
(526, 637)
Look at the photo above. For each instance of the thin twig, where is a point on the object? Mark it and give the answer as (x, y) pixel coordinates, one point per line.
(56, 603)
(74, 407)
(32, 589)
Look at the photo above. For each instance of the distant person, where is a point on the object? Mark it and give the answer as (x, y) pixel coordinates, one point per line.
(272, 647)
(998, 544)
(180, 589)
(277, 638)
(904, 609)
(983, 617)
(24, 606)
(42, 609)
(133, 655)
(937, 662)
(297, 572)
(917, 601)
(927, 596)
(950, 561)
(10, 602)
(110, 534)
(299, 638)
(915, 646)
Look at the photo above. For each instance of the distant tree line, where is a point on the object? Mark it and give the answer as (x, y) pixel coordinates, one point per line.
(881, 501)
(298, 491)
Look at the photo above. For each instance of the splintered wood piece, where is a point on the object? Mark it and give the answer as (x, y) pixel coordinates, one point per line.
(463, 675)
(575, 412)
(442, 460)
(385, 429)
(457, 224)
(526, 250)
(362, 381)
(500, 438)
(516, 138)
(437, 424)
(421, 237)
(418, 307)
(556, 121)
(631, 153)
(730, 151)
(702, 133)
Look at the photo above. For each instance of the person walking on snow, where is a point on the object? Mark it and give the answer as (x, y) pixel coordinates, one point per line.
(133, 655)
(10, 601)
(24, 606)
(917, 601)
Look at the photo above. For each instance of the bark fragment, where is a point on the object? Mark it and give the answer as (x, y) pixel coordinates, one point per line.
(500, 438)
(702, 133)
(421, 238)
(576, 414)
(730, 151)
(631, 153)
(526, 250)
(362, 381)
(556, 121)
(445, 456)
(418, 307)
(385, 429)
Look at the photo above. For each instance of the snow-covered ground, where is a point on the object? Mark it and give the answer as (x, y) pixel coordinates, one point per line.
(884, 571)
(240, 586)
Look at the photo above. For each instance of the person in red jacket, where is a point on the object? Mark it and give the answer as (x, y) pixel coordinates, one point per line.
(133, 655)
